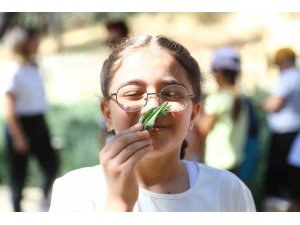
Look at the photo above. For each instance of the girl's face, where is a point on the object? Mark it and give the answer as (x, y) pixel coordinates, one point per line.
(152, 69)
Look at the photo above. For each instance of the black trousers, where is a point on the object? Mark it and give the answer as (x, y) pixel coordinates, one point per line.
(282, 180)
(37, 133)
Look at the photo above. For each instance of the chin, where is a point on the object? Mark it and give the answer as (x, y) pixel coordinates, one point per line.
(161, 145)
(153, 154)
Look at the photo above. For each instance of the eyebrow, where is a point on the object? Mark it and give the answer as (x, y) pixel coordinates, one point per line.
(134, 82)
(163, 82)
(171, 82)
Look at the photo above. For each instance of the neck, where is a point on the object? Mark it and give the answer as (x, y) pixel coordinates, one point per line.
(20, 59)
(163, 175)
(228, 87)
(285, 67)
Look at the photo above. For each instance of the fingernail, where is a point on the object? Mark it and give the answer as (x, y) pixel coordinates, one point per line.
(150, 147)
(138, 126)
(145, 132)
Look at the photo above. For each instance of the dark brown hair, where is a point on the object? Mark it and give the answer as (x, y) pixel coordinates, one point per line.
(18, 38)
(113, 62)
(230, 76)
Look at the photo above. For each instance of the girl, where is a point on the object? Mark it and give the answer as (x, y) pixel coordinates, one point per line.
(225, 116)
(141, 170)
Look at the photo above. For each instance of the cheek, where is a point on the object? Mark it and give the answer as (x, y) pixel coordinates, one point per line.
(122, 120)
(183, 120)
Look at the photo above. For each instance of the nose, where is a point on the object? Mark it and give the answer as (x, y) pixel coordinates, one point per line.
(153, 101)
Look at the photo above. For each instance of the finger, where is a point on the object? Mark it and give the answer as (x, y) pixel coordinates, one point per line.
(137, 156)
(121, 142)
(134, 128)
(131, 149)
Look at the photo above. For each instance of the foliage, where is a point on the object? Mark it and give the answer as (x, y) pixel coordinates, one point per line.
(76, 124)
(211, 17)
(62, 21)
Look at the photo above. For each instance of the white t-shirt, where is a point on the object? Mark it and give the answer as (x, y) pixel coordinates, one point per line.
(26, 84)
(214, 191)
(287, 118)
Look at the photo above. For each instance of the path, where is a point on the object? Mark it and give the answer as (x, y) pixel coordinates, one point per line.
(30, 203)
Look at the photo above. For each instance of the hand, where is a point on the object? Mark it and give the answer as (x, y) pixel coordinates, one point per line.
(273, 103)
(21, 145)
(119, 158)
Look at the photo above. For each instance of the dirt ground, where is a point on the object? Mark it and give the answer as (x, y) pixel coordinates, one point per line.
(32, 201)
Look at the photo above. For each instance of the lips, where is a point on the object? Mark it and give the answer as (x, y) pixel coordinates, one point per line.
(159, 127)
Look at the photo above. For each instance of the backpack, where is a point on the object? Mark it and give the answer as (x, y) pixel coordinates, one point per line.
(248, 168)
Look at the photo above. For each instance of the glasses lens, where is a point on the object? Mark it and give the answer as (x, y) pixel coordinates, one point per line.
(176, 95)
(131, 98)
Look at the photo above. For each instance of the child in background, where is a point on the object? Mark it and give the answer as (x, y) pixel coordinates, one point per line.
(224, 123)
(25, 106)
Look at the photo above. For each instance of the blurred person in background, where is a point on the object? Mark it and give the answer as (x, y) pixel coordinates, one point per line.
(283, 107)
(224, 122)
(117, 31)
(25, 106)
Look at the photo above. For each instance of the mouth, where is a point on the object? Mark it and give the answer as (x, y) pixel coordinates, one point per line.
(159, 128)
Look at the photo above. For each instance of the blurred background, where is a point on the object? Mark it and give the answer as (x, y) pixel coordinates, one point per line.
(73, 49)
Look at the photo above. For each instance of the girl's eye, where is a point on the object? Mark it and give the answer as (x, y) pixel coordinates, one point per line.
(172, 95)
(130, 91)
(133, 95)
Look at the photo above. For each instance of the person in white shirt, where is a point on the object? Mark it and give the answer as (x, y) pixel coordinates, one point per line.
(283, 108)
(141, 170)
(25, 106)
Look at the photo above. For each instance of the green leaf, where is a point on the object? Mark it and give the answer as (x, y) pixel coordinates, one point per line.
(146, 115)
(148, 118)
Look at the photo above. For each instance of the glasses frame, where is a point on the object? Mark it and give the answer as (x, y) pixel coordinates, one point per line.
(191, 96)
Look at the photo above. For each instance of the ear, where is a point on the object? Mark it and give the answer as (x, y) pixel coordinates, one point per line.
(105, 109)
(196, 110)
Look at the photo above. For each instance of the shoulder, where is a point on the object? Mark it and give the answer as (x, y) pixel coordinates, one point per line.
(10, 69)
(219, 175)
(290, 75)
(288, 82)
(220, 97)
(82, 175)
(80, 179)
(78, 190)
(9, 76)
(218, 103)
(233, 194)
(222, 181)
(213, 96)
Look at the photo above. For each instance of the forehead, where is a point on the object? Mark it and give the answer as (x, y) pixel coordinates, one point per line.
(152, 66)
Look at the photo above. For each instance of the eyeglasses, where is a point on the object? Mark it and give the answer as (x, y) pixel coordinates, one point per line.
(133, 98)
